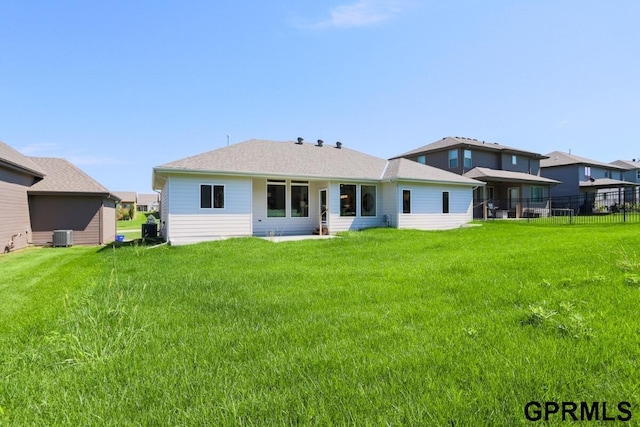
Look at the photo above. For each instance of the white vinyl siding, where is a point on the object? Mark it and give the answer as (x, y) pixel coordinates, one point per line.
(337, 222)
(187, 222)
(388, 205)
(288, 225)
(426, 207)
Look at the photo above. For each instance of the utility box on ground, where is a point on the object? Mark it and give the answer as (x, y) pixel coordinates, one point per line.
(62, 238)
(149, 230)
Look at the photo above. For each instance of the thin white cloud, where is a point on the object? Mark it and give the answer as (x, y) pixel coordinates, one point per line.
(89, 160)
(360, 14)
(40, 149)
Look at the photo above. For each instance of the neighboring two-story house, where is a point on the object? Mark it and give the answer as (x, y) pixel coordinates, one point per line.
(514, 186)
(631, 174)
(591, 185)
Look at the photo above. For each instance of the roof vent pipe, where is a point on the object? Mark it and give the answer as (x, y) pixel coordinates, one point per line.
(338, 145)
(300, 141)
(320, 142)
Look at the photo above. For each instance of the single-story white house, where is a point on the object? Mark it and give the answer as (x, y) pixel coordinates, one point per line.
(267, 188)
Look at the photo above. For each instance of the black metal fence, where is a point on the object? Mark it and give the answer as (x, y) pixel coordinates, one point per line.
(602, 207)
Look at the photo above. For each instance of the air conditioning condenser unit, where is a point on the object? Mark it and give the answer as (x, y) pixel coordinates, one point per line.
(62, 237)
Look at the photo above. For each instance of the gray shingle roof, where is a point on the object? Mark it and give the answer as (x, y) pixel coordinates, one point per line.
(260, 157)
(457, 141)
(403, 169)
(17, 160)
(487, 173)
(606, 183)
(148, 199)
(627, 164)
(559, 158)
(64, 177)
(272, 158)
(126, 196)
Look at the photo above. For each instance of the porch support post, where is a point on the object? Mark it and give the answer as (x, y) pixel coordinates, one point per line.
(484, 201)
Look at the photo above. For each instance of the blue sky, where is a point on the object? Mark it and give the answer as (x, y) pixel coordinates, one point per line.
(118, 87)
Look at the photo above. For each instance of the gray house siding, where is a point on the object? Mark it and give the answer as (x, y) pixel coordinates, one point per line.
(482, 158)
(522, 164)
(14, 211)
(82, 214)
(567, 175)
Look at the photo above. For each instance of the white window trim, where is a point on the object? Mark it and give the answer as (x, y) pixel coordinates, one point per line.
(286, 202)
(402, 212)
(213, 202)
(375, 195)
(298, 183)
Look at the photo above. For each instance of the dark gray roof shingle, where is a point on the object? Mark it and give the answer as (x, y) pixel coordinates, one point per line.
(502, 175)
(627, 164)
(403, 169)
(457, 141)
(260, 157)
(272, 158)
(64, 177)
(17, 160)
(559, 158)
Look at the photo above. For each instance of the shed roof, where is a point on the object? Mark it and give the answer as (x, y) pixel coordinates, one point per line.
(458, 141)
(272, 158)
(16, 160)
(64, 177)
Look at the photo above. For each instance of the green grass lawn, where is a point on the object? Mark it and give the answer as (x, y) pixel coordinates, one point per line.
(380, 327)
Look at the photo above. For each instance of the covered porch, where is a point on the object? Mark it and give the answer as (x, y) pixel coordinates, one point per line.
(510, 194)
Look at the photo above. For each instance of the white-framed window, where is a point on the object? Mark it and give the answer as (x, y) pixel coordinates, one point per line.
(638, 174)
(348, 199)
(211, 196)
(514, 159)
(467, 158)
(453, 159)
(299, 199)
(422, 159)
(406, 201)
(445, 202)
(276, 198)
(587, 172)
(368, 200)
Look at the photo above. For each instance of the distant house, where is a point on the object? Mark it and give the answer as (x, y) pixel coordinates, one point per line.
(585, 177)
(40, 195)
(69, 199)
(261, 188)
(127, 203)
(631, 174)
(511, 175)
(148, 202)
